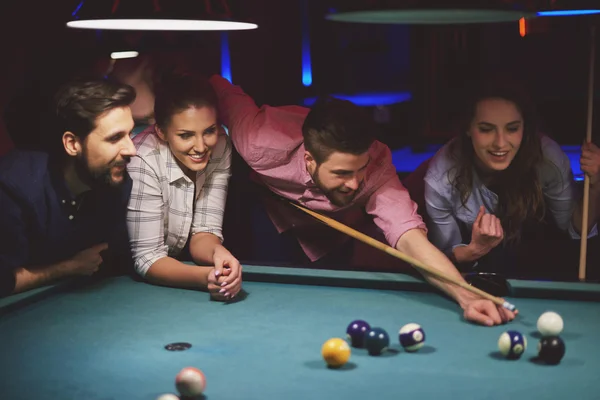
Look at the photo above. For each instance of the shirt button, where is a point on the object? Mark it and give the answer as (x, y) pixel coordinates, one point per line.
(64, 201)
(73, 203)
(71, 217)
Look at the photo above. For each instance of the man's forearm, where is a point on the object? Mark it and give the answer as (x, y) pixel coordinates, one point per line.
(27, 278)
(415, 244)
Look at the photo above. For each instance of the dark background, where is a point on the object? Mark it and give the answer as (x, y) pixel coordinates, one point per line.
(432, 63)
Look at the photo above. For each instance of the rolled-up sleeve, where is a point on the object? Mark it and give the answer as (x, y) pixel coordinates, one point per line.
(559, 190)
(444, 231)
(256, 132)
(210, 204)
(239, 113)
(390, 204)
(145, 216)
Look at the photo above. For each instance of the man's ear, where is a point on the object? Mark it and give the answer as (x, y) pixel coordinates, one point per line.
(71, 143)
(311, 163)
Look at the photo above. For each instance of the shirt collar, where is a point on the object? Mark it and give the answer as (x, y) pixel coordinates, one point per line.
(57, 178)
(174, 172)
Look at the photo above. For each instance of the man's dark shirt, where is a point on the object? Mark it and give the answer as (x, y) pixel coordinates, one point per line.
(42, 223)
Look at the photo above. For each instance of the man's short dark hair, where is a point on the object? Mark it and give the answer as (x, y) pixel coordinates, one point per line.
(81, 101)
(337, 125)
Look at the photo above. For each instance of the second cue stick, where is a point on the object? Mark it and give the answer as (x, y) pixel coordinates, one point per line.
(586, 183)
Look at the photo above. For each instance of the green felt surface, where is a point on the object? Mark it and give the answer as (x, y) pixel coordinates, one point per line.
(106, 341)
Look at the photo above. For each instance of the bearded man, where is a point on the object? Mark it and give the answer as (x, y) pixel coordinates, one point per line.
(62, 212)
(327, 159)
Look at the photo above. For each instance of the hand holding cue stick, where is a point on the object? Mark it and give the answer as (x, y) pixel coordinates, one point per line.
(405, 257)
(586, 183)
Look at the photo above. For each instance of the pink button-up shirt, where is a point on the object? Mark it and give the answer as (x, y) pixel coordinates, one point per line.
(270, 140)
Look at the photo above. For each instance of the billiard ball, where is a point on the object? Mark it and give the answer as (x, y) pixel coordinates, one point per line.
(512, 344)
(335, 352)
(356, 332)
(376, 341)
(412, 337)
(550, 324)
(190, 382)
(167, 396)
(551, 349)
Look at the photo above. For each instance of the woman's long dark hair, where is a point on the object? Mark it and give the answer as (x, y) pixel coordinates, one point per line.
(520, 197)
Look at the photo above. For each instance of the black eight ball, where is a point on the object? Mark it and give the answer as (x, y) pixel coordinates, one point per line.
(551, 349)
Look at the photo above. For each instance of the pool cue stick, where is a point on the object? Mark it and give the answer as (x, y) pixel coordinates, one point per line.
(405, 257)
(586, 183)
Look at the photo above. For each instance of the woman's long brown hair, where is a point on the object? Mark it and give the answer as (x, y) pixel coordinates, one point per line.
(520, 197)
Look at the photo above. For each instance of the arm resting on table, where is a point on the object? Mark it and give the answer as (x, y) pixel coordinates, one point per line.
(30, 278)
(168, 271)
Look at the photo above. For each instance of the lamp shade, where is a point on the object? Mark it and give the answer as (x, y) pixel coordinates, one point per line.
(429, 11)
(158, 15)
(570, 8)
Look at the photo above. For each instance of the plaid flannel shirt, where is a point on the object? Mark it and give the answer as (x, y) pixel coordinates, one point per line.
(163, 209)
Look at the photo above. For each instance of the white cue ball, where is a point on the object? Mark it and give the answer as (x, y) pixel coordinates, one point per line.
(550, 324)
(190, 382)
(167, 396)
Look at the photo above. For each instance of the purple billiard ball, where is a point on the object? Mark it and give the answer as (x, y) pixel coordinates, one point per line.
(356, 332)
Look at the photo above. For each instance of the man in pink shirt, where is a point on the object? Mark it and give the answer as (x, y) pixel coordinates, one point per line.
(326, 159)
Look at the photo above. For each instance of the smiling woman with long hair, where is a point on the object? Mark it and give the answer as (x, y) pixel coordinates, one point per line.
(180, 180)
(498, 175)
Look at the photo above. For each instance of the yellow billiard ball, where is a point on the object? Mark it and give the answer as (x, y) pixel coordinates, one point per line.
(335, 352)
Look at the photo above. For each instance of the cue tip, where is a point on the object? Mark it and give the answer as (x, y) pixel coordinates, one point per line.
(509, 306)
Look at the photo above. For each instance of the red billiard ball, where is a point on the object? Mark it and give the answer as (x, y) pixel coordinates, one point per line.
(190, 382)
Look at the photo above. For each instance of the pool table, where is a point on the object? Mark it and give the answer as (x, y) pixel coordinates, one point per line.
(102, 339)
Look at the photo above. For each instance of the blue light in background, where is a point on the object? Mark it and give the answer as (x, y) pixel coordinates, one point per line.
(368, 99)
(574, 153)
(225, 59)
(406, 160)
(560, 13)
(306, 61)
(74, 13)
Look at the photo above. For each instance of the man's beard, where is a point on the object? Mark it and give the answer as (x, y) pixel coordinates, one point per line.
(100, 178)
(330, 193)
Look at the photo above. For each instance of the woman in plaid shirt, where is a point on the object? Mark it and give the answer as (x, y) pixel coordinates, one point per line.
(180, 178)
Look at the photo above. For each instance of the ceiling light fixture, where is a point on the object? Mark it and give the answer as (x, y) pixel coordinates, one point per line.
(418, 12)
(156, 15)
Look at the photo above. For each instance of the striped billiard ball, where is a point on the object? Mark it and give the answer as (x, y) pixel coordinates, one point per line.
(512, 344)
(412, 337)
